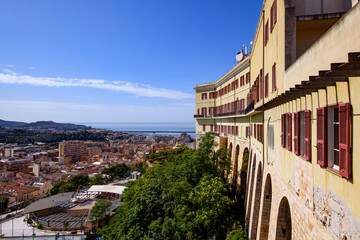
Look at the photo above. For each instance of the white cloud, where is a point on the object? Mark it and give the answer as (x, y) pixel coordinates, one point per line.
(32, 68)
(10, 66)
(10, 77)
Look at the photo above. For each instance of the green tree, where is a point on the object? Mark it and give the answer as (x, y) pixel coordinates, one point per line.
(80, 180)
(98, 180)
(4, 202)
(67, 187)
(99, 210)
(117, 171)
(238, 234)
(183, 196)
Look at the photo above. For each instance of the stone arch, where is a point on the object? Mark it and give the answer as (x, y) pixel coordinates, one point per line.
(243, 178)
(266, 209)
(257, 199)
(248, 181)
(230, 149)
(284, 225)
(250, 192)
(235, 165)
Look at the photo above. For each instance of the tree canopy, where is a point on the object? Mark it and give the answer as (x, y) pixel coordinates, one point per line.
(117, 171)
(99, 210)
(183, 196)
(71, 185)
(4, 202)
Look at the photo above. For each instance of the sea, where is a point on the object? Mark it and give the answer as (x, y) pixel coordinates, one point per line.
(163, 129)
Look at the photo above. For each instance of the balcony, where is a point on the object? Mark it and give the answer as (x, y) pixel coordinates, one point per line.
(247, 110)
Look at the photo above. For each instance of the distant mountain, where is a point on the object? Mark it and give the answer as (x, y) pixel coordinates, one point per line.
(43, 125)
(11, 124)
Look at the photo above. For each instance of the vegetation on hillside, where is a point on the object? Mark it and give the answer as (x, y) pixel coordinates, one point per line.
(27, 136)
(4, 202)
(99, 210)
(71, 185)
(183, 196)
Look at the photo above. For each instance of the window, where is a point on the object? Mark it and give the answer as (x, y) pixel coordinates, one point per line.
(204, 96)
(242, 82)
(237, 131)
(248, 77)
(247, 132)
(286, 131)
(302, 123)
(274, 77)
(204, 127)
(273, 15)
(271, 137)
(261, 84)
(237, 83)
(211, 111)
(333, 138)
(267, 85)
(203, 111)
(266, 37)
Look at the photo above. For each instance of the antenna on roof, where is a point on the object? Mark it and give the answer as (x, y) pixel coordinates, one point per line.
(246, 49)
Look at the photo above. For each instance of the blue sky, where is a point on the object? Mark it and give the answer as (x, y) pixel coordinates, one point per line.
(114, 60)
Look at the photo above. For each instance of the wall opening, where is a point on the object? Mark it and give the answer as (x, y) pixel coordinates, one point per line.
(266, 209)
(257, 199)
(235, 165)
(250, 193)
(283, 226)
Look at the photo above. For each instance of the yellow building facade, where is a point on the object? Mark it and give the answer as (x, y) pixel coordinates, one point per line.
(296, 114)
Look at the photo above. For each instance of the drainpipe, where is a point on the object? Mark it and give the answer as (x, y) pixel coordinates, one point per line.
(263, 92)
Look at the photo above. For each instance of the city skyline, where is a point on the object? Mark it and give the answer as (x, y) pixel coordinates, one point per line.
(115, 61)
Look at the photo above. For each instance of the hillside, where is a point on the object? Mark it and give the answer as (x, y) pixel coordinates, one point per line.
(43, 125)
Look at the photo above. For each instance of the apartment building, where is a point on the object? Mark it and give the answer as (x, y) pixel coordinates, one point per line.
(292, 103)
(71, 151)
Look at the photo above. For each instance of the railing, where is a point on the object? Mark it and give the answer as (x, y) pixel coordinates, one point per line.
(248, 109)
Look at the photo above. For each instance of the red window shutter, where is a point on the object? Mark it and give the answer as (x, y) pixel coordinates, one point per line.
(232, 130)
(261, 84)
(271, 18)
(296, 133)
(275, 11)
(344, 140)
(283, 130)
(211, 128)
(267, 85)
(254, 130)
(216, 128)
(198, 111)
(321, 120)
(307, 127)
(289, 132)
(204, 127)
(237, 130)
(274, 77)
(257, 89)
(266, 38)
